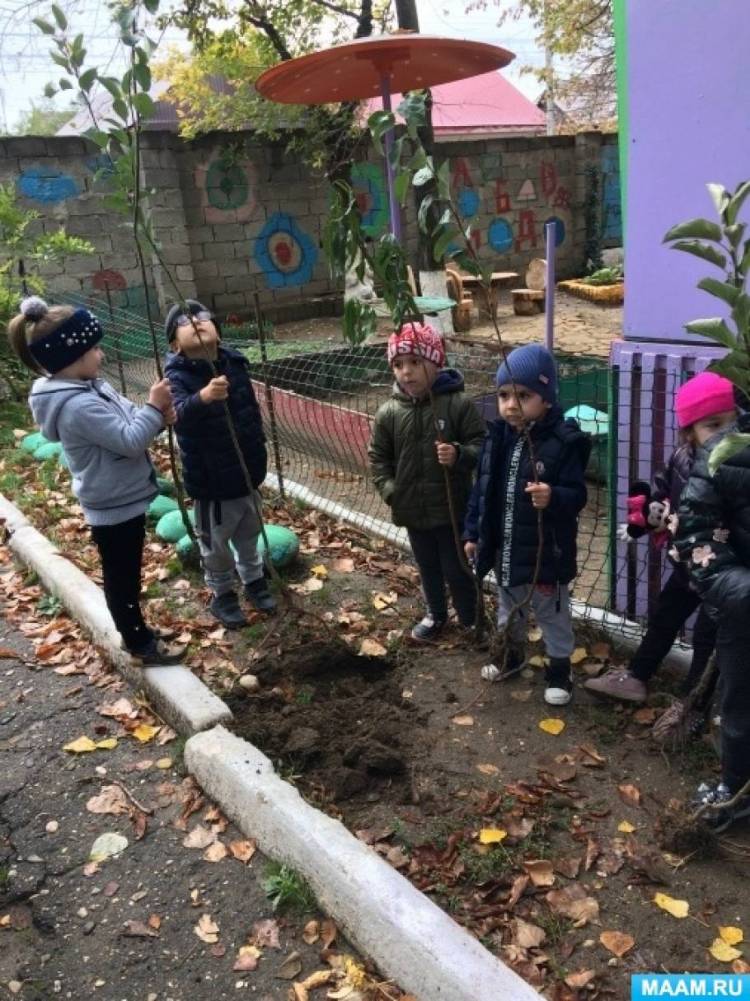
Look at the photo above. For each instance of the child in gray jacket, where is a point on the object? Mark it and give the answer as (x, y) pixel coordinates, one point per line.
(104, 438)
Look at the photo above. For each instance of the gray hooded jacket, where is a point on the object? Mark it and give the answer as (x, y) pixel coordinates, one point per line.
(104, 437)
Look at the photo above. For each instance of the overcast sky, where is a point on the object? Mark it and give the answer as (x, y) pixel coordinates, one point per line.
(25, 66)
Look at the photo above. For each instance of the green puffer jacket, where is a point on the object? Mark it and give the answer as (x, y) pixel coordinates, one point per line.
(403, 455)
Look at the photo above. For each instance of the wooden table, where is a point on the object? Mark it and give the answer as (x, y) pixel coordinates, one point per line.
(498, 281)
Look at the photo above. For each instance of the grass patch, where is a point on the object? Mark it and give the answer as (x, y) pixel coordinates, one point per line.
(287, 890)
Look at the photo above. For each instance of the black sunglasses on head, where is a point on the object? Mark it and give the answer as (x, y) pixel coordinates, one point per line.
(184, 320)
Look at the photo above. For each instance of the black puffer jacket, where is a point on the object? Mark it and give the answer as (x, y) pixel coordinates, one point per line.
(713, 532)
(211, 466)
(501, 517)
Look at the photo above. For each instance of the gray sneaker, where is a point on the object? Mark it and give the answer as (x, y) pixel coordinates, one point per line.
(618, 684)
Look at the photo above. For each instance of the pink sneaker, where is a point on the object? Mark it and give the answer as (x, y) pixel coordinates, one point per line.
(618, 684)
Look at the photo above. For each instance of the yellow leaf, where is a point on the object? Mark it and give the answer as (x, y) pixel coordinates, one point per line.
(492, 835)
(381, 601)
(536, 661)
(553, 726)
(80, 746)
(578, 655)
(677, 908)
(108, 744)
(730, 934)
(164, 763)
(144, 732)
(371, 648)
(319, 571)
(488, 769)
(625, 827)
(723, 951)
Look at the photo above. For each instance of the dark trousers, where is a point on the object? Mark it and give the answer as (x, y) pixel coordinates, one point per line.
(438, 561)
(121, 551)
(674, 606)
(733, 659)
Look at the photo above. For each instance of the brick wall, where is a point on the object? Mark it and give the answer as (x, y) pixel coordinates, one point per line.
(231, 225)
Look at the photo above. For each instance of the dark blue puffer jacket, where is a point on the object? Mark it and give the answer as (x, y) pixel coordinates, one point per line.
(501, 517)
(210, 463)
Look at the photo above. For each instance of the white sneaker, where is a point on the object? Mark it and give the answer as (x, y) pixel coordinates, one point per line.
(557, 696)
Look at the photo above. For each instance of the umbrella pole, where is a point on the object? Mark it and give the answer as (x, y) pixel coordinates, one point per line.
(393, 206)
(549, 285)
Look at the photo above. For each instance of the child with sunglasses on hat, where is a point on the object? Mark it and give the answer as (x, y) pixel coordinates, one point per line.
(208, 378)
(104, 438)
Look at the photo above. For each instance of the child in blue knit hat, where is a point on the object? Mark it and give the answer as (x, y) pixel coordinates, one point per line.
(502, 525)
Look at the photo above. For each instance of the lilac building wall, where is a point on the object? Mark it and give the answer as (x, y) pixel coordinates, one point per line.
(689, 123)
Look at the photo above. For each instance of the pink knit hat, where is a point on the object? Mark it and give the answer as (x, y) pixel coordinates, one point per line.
(704, 395)
(417, 339)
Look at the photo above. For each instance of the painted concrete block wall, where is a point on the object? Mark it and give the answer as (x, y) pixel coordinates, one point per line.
(687, 93)
(235, 216)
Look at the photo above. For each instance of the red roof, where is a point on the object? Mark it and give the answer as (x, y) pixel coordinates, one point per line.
(486, 104)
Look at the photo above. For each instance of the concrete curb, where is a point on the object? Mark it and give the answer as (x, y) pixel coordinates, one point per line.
(400, 929)
(175, 692)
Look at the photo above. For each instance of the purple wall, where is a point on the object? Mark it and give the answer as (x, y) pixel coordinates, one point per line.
(689, 124)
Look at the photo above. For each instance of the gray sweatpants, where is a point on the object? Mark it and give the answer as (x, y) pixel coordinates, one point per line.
(217, 523)
(551, 607)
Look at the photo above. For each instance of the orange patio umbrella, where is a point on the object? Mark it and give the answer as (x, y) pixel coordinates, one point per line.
(382, 66)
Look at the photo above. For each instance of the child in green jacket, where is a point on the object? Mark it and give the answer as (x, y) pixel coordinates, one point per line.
(427, 426)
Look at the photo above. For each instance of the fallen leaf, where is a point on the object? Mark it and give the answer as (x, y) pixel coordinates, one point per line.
(144, 732)
(111, 888)
(591, 756)
(122, 708)
(617, 942)
(645, 715)
(311, 932)
(14, 986)
(265, 934)
(488, 769)
(573, 902)
(534, 634)
(381, 601)
(580, 979)
(81, 745)
(492, 835)
(463, 720)
(723, 951)
(215, 852)
(536, 661)
(247, 959)
(526, 935)
(319, 571)
(630, 794)
(521, 694)
(553, 726)
(154, 921)
(110, 800)
(310, 585)
(677, 908)
(540, 871)
(625, 827)
(343, 565)
(290, 968)
(207, 930)
(738, 966)
(243, 851)
(218, 951)
(371, 648)
(138, 929)
(328, 933)
(317, 979)
(601, 650)
(578, 655)
(164, 763)
(199, 837)
(730, 934)
(107, 845)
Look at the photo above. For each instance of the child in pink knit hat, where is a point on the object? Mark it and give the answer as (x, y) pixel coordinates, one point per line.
(705, 405)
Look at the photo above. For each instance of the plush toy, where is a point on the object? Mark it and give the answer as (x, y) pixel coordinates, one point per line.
(648, 512)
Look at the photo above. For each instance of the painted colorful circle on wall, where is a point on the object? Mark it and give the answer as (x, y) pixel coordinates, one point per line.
(227, 186)
(559, 228)
(468, 202)
(500, 235)
(286, 254)
(369, 190)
